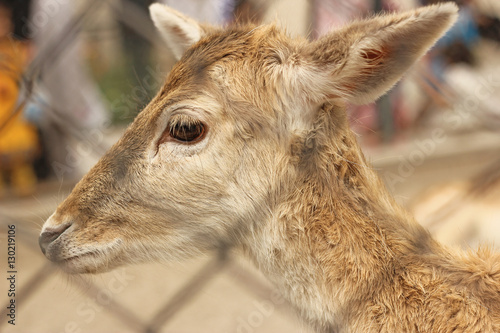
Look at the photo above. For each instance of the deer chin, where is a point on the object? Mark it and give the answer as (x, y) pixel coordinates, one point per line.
(90, 259)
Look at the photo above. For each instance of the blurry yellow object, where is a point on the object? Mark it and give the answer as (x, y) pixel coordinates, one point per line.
(19, 139)
(23, 179)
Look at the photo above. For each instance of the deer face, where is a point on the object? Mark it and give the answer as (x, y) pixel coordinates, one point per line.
(209, 158)
(179, 181)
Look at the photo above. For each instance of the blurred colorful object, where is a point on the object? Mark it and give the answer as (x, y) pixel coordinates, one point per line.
(18, 139)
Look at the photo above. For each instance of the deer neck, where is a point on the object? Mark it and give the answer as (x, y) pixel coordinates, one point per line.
(338, 236)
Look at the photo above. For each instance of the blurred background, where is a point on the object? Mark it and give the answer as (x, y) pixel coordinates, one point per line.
(73, 74)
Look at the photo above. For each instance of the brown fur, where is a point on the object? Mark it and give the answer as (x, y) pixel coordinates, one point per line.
(281, 176)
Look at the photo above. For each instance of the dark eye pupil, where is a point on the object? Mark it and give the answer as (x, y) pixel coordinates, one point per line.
(187, 132)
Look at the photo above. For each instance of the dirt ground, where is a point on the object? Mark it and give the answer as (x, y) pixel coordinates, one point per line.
(210, 294)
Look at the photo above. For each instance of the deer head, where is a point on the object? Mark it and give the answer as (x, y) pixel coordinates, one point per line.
(243, 115)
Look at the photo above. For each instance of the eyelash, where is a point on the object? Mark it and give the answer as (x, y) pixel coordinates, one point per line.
(184, 129)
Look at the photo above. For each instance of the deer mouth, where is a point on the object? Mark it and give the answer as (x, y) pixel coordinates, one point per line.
(79, 263)
(95, 260)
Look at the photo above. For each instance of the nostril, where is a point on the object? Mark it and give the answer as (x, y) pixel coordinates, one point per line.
(50, 235)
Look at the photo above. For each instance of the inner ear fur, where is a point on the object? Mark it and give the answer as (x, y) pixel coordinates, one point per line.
(177, 29)
(363, 60)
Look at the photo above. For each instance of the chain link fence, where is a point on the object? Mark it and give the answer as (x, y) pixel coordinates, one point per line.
(88, 143)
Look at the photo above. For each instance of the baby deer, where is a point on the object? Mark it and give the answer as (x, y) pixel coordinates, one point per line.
(248, 145)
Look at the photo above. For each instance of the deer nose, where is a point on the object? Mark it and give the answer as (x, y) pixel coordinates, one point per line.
(50, 234)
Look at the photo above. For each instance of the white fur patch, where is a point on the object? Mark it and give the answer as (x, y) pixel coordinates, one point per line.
(179, 31)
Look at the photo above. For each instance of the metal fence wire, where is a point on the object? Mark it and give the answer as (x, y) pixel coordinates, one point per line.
(132, 15)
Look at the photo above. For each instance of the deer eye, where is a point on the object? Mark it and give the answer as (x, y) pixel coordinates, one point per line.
(187, 132)
(184, 129)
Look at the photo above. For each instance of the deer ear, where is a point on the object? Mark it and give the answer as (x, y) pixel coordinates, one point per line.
(178, 30)
(361, 61)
